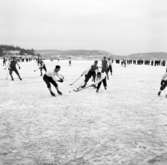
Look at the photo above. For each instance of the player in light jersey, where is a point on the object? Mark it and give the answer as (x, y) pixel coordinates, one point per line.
(101, 78)
(52, 78)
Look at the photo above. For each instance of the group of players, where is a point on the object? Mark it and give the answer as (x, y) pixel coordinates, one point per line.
(13, 64)
(98, 75)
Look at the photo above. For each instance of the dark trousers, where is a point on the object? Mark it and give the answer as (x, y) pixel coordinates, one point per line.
(105, 69)
(163, 85)
(11, 70)
(110, 69)
(43, 68)
(49, 80)
(104, 81)
(88, 76)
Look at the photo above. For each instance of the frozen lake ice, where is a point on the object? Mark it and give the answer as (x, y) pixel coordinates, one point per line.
(124, 125)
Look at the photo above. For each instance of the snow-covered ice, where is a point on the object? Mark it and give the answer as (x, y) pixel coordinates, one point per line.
(125, 125)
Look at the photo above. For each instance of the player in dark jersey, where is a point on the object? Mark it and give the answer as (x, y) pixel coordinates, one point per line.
(42, 67)
(110, 66)
(69, 61)
(90, 73)
(163, 84)
(104, 65)
(4, 61)
(13, 68)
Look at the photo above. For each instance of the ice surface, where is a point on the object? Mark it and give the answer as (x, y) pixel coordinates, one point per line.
(125, 125)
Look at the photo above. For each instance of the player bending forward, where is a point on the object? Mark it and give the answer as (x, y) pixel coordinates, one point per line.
(101, 77)
(163, 84)
(12, 68)
(53, 78)
(90, 73)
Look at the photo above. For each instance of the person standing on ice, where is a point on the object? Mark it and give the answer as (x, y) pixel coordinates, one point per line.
(12, 67)
(52, 78)
(104, 65)
(4, 61)
(110, 65)
(90, 73)
(163, 83)
(69, 61)
(101, 78)
(42, 67)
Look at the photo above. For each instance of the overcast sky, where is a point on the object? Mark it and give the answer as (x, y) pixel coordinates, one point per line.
(119, 26)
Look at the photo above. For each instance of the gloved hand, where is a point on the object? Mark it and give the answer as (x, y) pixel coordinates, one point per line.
(60, 80)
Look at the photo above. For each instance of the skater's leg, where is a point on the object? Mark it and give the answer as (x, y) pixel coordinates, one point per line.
(10, 73)
(51, 92)
(16, 71)
(107, 74)
(98, 86)
(87, 77)
(46, 80)
(94, 76)
(110, 69)
(44, 67)
(56, 86)
(105, 83)
(40, 71)
(84, 85)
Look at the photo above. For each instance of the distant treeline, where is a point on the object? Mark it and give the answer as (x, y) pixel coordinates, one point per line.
(22, 51)
(98, 54)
